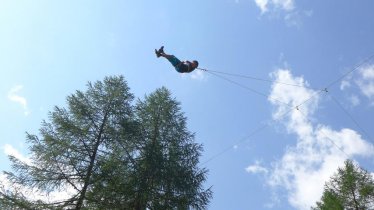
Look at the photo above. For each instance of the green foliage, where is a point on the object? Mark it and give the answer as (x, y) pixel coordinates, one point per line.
(351, 188)
(168, 174)
(161, 169)
(329, 201)
(110, 154)
(67, 155)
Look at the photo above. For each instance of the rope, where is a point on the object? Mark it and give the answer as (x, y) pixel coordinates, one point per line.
(296, 107)
(248, 88)
(352, 70)
(330, 139)
(284, 83)
(253, 78)
(257, 130)
(254, 132)
(351, 117)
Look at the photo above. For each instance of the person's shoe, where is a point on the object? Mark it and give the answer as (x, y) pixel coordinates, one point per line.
(158, 54)
(161, 50)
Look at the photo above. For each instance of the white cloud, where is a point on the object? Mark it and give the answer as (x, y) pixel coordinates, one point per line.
(4, 182)
(366, 81)
(274, 201)
(64, 192)
(285, 9)
(345, 84)
(367, 72)
(264, 5)
(13, 96)
(256, 168)
(11, 151)
(354, 100)
(306, 166)
(284, 4)
(197, 75)
(293, 19)
(363, 80)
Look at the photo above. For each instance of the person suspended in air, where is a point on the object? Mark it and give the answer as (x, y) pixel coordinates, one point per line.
(180, 66)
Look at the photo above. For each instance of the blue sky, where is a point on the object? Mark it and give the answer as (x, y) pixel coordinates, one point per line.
(49, 49)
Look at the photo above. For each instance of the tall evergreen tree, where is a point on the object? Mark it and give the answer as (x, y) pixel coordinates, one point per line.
(72, 149)
(167, 172)
(350, 188)
(162, 163)
(111, 155)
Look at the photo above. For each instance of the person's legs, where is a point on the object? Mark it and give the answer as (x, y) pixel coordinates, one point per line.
(171, 58)
(167, 56)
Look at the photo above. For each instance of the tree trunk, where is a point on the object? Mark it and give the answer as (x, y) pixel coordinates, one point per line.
(90, 167)
(354, 199)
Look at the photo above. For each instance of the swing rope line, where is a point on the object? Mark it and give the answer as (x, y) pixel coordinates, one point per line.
(258, 129)
(247, 88)
(253, 78)
(330, 139)
(352, 70)
(366, 60)
(295, 107)
(351, 117)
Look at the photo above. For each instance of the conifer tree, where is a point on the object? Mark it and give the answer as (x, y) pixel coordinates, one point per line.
(162, 165)
(350, 188)
(72, 147)
(168, 176)
(109, 154)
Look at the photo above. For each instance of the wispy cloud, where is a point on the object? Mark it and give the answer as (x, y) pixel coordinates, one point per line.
(354, 100)
(198, 75)
(284, 4)
(265, 5)
(319, 151)
(363, 80)
(345, 84)
(63, 193)
(284, 8)
(11, 151)
(295, 18)
(256, 168)
(13, 95)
